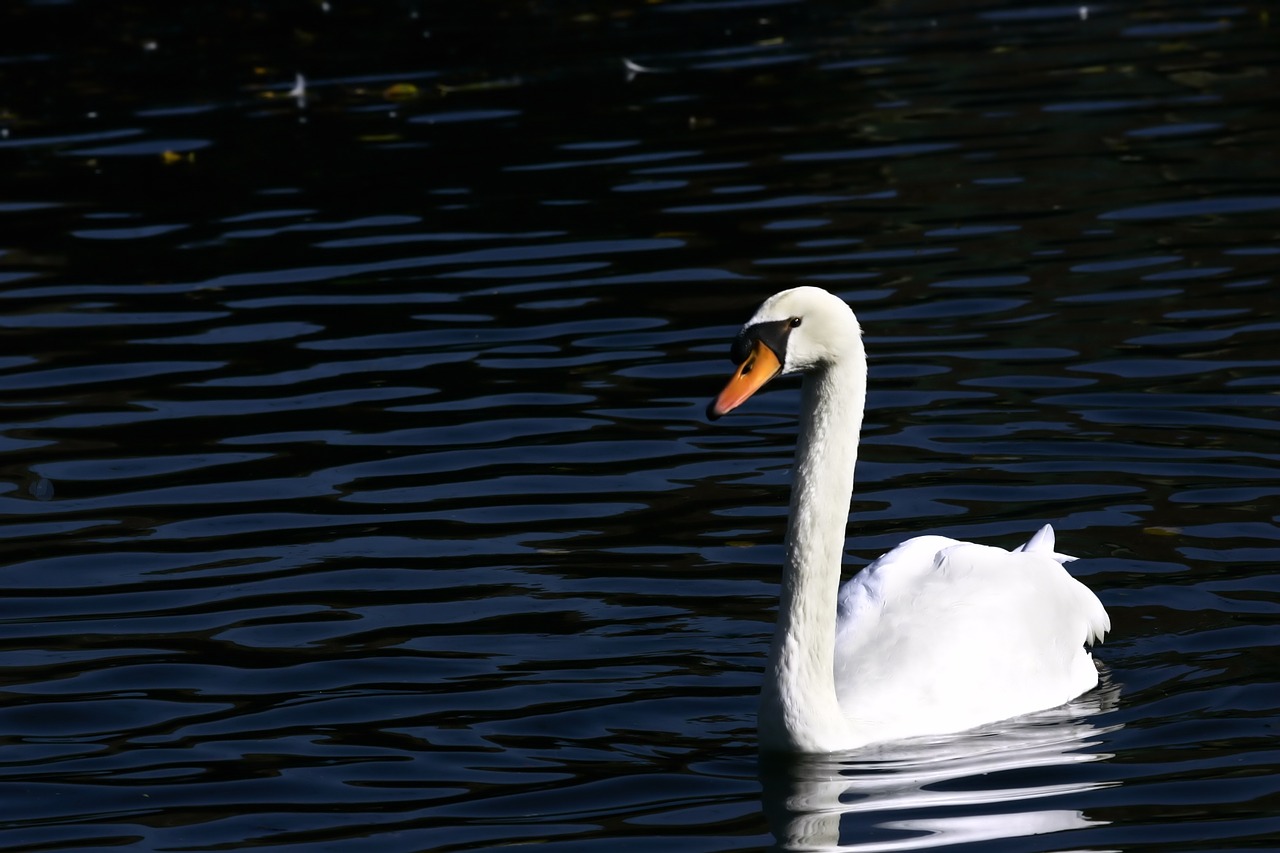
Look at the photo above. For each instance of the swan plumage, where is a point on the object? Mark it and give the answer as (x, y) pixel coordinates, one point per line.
(935, 636)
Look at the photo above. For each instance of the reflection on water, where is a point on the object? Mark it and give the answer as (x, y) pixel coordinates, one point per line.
(970, 787)
(355, 492)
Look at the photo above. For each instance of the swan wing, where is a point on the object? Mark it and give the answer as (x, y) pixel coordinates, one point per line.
(940, 635)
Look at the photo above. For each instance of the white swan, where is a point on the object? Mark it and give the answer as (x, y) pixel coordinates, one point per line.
(935, 636)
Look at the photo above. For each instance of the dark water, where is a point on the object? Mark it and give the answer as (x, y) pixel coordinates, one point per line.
(356, 489)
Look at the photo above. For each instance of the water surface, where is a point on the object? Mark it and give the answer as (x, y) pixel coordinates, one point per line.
(356, 489)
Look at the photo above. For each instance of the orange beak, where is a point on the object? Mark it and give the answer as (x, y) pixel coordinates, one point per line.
(760, 366)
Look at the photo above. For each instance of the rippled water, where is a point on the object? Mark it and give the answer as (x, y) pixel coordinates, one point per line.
(356, 488)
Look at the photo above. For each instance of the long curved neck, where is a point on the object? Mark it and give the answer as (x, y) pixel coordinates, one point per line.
(799, 710)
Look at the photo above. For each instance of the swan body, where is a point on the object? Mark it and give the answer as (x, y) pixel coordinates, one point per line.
(937, 635)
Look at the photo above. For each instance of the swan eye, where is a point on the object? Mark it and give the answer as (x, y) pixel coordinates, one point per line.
(795, 321)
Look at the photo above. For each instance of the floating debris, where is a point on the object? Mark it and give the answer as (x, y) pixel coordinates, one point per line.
(401, 92)
(299, 90)
(482, 86)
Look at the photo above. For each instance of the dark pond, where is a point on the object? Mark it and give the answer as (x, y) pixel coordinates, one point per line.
(356, 488)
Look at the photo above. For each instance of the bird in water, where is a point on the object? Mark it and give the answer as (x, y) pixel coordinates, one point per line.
(937, 635)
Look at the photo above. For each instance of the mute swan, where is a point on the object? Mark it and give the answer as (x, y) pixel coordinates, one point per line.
(935, 636)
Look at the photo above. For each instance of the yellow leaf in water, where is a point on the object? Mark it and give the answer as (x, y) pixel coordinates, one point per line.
(171, 157)
(401, 92)
(1162, 531)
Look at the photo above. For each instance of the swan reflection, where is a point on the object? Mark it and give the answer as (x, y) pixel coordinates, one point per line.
(933, 792)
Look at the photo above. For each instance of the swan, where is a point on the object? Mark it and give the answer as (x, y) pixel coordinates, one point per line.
(937, 636)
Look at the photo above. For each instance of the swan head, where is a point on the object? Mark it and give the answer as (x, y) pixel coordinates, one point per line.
(795, 331)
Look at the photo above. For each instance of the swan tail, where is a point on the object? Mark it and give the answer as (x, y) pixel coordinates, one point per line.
(1043, 543)
(1097, 622)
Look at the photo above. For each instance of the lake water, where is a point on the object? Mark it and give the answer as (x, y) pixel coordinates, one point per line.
(357, 493)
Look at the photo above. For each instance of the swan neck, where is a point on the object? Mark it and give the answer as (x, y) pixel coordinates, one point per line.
(800, 710)
(826, 454)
